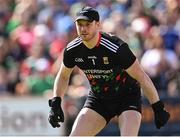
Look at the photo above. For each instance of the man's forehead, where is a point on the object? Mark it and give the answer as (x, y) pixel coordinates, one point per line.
(83, 21)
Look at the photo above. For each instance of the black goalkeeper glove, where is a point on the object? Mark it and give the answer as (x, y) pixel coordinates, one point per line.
(56, 114)
(161, 116)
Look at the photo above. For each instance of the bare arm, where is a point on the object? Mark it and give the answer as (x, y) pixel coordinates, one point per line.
(61, 81)
(149, 90)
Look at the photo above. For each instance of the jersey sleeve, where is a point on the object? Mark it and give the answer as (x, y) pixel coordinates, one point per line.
(68, 59)
(125, 56)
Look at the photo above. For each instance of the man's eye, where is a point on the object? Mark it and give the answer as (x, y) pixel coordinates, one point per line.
(79, 25)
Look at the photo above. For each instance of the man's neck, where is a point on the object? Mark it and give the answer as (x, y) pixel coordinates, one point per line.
(92, 42)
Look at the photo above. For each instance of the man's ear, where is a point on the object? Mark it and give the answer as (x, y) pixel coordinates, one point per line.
(98, 23)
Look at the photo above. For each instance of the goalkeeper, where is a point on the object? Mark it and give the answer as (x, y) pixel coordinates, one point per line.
(115, 76)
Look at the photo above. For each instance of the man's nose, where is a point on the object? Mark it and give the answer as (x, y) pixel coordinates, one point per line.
(83, 28)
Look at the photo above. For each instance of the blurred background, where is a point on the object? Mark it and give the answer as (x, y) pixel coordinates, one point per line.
(33, 35)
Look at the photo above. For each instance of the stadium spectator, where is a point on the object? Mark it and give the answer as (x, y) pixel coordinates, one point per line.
(158, 61)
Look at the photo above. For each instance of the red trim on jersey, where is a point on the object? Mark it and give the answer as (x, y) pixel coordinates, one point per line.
(97, 45)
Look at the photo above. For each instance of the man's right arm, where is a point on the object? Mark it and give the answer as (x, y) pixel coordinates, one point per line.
(61, 81)
(56, 114)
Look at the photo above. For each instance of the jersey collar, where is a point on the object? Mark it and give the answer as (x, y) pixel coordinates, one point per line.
(99, 39)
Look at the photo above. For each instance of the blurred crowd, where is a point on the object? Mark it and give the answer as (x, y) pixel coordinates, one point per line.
(34, 33)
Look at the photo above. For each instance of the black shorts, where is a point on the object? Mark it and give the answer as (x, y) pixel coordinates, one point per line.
(111, 106)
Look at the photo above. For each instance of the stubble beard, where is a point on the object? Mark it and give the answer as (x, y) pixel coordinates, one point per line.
(89, 38)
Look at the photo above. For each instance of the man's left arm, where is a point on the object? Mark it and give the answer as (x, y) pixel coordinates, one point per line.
(149, 90)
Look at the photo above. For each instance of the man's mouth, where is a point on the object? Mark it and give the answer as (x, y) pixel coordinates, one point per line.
(84, 34)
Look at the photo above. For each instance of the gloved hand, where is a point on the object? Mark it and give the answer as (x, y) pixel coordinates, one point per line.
(56, 114)
(161, 116)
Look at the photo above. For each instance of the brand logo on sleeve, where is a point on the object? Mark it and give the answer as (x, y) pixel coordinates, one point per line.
(133, 107)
